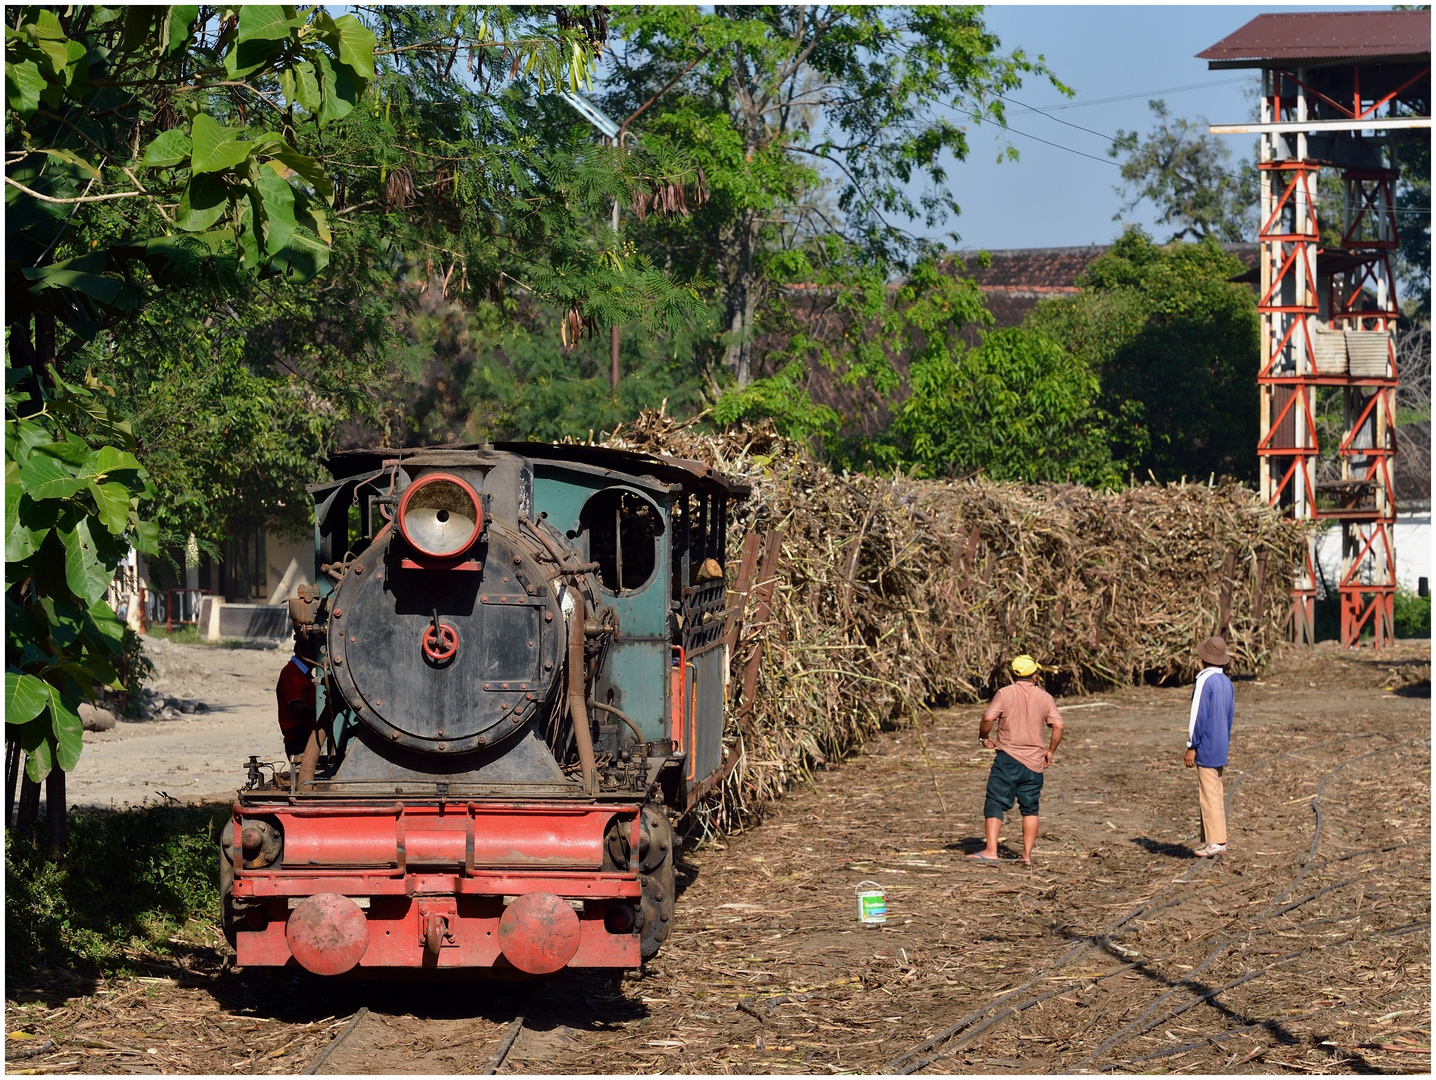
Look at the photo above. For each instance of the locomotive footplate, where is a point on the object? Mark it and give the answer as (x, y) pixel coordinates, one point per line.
(368, 886)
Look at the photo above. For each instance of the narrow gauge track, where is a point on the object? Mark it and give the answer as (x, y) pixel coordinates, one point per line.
(980, 1021)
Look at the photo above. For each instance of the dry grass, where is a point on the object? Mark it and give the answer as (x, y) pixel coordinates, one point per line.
(893, 594)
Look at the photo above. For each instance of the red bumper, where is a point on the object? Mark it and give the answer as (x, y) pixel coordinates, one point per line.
(437, 887)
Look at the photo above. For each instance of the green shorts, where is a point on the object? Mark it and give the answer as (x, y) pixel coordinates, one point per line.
(1011, 781)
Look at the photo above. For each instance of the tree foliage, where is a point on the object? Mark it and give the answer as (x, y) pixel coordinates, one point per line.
(1182, 169)
(808, 121)
(1174, 343)
(72, 509)
(1016, 407)
(176, 180)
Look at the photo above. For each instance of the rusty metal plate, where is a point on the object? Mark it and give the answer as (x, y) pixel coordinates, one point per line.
(539, 933)
(328, 934)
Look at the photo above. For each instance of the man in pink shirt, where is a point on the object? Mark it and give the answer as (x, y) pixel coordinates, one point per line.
(1019, 712)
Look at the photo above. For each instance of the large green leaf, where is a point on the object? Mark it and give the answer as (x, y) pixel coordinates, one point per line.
(306, 86)
(278, 199)
(147, 538)
(356, 45)
(203, 202)
(20, 541)
(301, 259)
(72, 451)
(216, 148)
(23, 86)
(312, 172)
(84, 573)
(107, 622)
(265, 22)
(25, 696)
(167, 149)
(109, 459)
(36, 740)
(44, 477)
(182, 20)
(113, 501)
(338, 90)
(22, 436)
(69, 730)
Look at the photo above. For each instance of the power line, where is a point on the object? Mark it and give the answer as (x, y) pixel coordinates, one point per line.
(1046, 142)
(1058, 119)
(1141, 94)
(1247, 184)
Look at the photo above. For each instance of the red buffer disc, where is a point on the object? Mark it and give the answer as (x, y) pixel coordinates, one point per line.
(328, 934)
(539, 933)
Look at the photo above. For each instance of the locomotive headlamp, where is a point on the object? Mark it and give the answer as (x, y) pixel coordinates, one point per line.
(440, 516)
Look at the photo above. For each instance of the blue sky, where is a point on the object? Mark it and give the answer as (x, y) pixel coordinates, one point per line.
(1053, 197)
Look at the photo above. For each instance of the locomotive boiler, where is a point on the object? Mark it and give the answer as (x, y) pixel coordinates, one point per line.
(521, 675)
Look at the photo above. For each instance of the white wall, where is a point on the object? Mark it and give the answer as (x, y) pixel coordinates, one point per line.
(290, 565)
(1412, 538)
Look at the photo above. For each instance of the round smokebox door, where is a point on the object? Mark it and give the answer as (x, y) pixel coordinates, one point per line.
(439, 659)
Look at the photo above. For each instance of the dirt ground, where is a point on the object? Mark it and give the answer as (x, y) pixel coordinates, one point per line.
(197, 756)
(1305, 948)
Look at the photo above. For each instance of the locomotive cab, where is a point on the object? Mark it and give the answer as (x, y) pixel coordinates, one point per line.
(522, 670)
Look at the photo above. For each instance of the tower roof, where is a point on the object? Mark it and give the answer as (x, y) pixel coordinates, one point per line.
(1324, 37)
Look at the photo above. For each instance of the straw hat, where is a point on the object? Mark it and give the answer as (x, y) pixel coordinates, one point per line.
(1214, 651)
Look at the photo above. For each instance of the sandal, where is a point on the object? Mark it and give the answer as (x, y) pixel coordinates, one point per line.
(981, 857)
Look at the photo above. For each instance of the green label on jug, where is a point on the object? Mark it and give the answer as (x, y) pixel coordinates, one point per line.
(872, 907)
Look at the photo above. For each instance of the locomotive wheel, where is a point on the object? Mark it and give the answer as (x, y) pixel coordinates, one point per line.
(657, 907)
(226, 889)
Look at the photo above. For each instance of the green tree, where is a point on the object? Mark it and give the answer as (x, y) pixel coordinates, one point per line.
(1413, 203)
(441, 175)
(808, 122)
(72, 509)
(1173, 341)
(174, 177)
(1016, 407)
(1182, 170)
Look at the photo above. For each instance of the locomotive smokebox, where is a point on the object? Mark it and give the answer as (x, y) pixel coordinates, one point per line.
(446, 634)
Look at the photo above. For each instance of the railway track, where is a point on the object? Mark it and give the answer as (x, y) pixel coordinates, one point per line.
(1012, 1003)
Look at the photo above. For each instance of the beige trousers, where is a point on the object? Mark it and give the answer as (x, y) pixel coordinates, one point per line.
(1214, 814)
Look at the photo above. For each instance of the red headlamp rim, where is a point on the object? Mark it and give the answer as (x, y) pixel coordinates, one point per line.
(423, 482)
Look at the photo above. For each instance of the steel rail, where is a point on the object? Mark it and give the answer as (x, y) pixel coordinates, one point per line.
(344, 1033)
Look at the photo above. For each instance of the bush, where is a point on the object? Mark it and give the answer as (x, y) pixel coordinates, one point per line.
(133, 882)
(1412, 615)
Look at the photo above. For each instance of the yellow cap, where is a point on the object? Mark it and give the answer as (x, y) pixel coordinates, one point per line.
(1024, 665)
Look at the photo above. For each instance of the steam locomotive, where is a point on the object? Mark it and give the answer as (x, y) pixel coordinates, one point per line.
(521, 672)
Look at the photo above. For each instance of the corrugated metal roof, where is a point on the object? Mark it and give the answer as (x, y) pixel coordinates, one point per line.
(1316, 36)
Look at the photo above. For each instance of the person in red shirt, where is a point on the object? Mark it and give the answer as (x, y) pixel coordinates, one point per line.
(297, 696)
(1019, 712)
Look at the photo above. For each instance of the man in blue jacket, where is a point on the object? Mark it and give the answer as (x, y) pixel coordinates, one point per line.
(1209, 732)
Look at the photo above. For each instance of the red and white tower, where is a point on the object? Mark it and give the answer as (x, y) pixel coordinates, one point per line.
(1338, 91)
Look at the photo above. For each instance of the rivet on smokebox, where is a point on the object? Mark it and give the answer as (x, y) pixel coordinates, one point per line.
(338, 613)
(548, 616)
(872, 903)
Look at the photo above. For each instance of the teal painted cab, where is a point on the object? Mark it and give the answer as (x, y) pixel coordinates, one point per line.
(657, 529)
